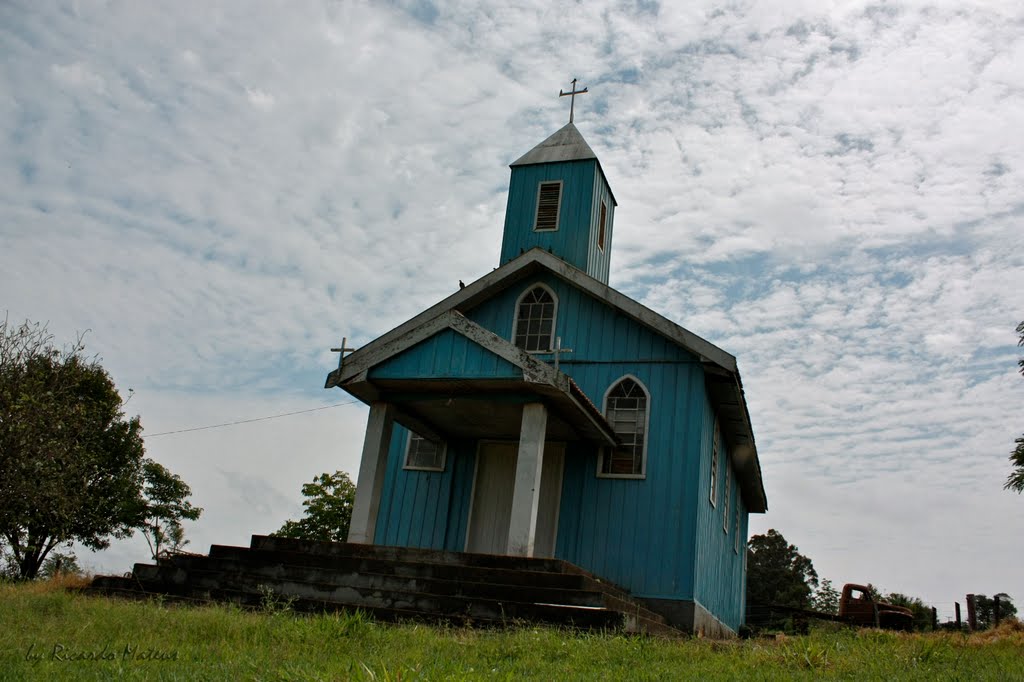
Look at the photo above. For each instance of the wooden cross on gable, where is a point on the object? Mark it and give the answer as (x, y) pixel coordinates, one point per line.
(341, 351)
(572, 99)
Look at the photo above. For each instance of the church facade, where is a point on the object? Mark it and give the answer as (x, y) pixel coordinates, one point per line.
(539, 412)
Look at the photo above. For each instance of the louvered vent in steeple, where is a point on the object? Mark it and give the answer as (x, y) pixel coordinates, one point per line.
(548, 198)
(560, 201)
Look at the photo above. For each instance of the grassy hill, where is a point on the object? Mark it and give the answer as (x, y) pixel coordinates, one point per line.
(48, 632)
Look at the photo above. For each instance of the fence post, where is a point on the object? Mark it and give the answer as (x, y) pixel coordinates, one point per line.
(935, 619)
(995, 604)
(972, 620)
(956, 604)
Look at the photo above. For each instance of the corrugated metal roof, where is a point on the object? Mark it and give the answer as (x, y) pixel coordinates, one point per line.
(565, 145)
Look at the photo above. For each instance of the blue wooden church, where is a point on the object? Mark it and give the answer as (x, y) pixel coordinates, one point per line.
(630, 455)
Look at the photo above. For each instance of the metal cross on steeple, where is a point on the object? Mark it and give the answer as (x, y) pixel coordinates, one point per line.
(572, 101)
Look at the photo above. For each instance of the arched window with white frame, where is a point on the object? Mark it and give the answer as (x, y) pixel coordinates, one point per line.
(534, 325)
(626, 407)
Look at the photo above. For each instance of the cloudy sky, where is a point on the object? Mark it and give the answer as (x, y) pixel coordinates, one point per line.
(831, 191)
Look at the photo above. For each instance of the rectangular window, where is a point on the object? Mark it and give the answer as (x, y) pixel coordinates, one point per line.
(424, 455)
(714, 467)
(600, 226)
(549, 196)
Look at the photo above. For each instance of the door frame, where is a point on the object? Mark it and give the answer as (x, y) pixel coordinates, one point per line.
(476, 467)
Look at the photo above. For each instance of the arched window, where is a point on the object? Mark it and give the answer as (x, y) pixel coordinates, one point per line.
(626, 410)
(535, 319)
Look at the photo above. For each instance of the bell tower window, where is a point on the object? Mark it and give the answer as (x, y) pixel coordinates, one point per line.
(549, 198)
(535, 320)
(600, 226)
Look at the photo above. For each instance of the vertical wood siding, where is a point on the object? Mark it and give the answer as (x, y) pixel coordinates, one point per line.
(638, 533)
(426, 509)
(412, 502)
(659, 536)
(718, 569)
(598, 261)
(570, 241)
(446, 354)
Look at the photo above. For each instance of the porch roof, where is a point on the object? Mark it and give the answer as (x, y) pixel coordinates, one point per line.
(461, 399)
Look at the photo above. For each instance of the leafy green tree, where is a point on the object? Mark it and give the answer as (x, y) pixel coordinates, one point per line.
(60, 563)
(165, 499)
(985, 609)
(777, 573)
(70, 462)
(328, 503)
(826, 598)
(1015, 481)
(922, 612)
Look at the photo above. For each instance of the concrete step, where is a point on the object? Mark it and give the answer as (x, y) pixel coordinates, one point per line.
(403, 553)
(406, 554)
(392, 583)
(402, 598)
(406, 568)
(388, 591)
(369, 581)
(201, 587)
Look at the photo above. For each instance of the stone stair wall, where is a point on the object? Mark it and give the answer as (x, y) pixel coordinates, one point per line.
(391, 584)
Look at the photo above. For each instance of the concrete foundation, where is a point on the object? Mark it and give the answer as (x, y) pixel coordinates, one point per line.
(690, 617)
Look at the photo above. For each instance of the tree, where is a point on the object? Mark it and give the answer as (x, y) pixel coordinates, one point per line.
(777, 573)
(985, 609)
(1015, 481)
(70, 462)
(922, 612)
(165, 503)
(328, 503)
(60, 563)
(826, 598)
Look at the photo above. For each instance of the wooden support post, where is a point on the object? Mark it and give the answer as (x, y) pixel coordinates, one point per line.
(995, 608)
(972, 619)
(935, 619)
(522, 527)
(956, 605)
(370, 483)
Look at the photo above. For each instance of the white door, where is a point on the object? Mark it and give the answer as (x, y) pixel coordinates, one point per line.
(491, 507)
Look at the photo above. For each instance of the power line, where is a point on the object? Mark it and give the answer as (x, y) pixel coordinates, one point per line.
(249, 421)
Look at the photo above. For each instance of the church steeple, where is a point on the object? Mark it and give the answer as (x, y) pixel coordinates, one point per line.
(559, 200)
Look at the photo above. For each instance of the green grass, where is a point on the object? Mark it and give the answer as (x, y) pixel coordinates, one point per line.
(215, 643)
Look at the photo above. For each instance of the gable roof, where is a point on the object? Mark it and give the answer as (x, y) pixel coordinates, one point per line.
(529, 375)
(721, 373)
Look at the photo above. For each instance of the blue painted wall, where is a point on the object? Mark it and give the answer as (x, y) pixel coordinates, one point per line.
(601, 517)
(446, 354)
(718, 560)
(426, 508)
(570, 241)
(599, 260)
(640, 533)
